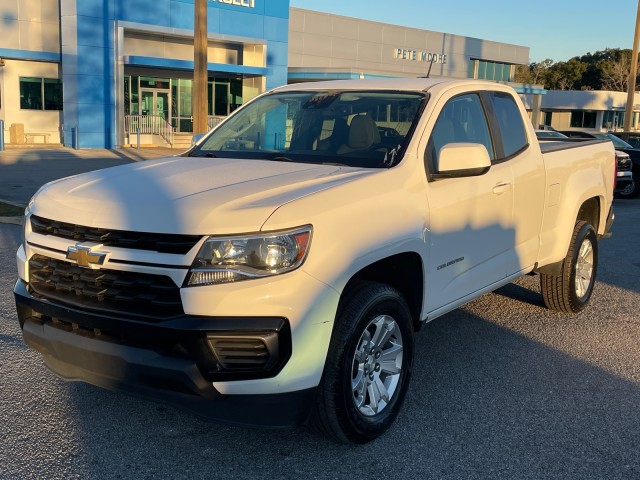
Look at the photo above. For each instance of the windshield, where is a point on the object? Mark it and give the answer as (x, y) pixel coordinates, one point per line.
(353, 128)
(617, 142)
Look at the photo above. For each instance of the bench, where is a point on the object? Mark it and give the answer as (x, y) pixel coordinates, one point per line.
(29, 137)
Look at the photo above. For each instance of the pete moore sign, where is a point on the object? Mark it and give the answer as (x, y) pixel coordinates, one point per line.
(419, 56)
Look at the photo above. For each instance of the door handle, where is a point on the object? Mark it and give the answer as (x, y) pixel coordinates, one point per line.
(501, 187)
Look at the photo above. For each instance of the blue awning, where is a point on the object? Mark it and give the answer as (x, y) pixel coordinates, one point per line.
(188, 65)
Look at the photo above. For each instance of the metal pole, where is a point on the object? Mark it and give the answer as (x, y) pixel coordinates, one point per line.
(631, 88)
(75, 135)
(138, 135)
(1, 135)
(200, 73)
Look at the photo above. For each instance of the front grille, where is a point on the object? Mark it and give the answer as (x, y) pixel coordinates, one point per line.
(159, 242)
(131, 293)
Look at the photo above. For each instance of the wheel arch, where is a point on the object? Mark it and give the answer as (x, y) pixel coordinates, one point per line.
(589, 211)
(402, 271)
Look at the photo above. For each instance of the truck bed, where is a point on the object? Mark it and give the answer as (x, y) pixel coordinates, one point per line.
(549, 145)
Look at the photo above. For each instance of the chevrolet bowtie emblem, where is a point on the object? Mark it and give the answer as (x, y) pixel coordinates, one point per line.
(87, 256)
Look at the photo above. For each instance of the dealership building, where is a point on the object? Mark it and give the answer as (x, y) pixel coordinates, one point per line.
(90, 73)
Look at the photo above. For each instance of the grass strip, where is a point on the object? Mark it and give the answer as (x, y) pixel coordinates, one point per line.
(9, 210)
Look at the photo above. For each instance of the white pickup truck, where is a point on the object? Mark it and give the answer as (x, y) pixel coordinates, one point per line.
(276, 273)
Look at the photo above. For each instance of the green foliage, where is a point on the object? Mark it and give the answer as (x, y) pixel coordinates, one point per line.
(603, 70)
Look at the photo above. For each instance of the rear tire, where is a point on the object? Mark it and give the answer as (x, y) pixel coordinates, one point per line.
(570, 291)
(368, 365)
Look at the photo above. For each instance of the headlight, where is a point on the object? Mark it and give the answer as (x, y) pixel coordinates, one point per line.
(25, 223)
(231, 259)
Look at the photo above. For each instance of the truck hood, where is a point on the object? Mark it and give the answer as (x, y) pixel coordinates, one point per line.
(186, 195)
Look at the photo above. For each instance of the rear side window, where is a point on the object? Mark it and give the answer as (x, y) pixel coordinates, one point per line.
(512, 128)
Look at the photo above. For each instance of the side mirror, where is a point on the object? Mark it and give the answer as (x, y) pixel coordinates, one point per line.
(462, 160)
(196, 138)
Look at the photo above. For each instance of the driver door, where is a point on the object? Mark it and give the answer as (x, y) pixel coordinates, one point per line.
(470, 234)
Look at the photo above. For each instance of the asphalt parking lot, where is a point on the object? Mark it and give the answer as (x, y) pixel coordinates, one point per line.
(502, 388)
(23, 171)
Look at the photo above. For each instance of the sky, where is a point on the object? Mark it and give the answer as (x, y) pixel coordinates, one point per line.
(558, 30)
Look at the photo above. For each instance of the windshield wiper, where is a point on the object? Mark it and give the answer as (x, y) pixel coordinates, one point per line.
(281, 159)
(208, 155)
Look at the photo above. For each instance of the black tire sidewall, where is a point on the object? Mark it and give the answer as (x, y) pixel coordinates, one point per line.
(362, 428)
(586, 232)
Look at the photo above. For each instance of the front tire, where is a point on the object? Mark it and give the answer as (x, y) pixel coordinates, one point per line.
(570, 291)
(632, 190)
(368, 365)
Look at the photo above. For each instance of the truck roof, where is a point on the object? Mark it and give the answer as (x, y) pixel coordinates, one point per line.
(409, 84)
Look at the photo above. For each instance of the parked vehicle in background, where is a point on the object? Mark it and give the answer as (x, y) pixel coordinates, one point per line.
(278, 271)
(632, 188)
(624, 175)
(632, 138)
(543, 134)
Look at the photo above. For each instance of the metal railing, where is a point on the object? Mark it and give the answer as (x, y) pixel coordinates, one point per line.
(149, 124)
(213, 120)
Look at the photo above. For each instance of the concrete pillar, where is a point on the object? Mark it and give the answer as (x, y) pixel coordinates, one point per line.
(535, 110)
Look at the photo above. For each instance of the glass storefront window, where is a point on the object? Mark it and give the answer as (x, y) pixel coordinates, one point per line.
(583, 119)
(30, 93)
(134, 96)
(210, 98)
(52, 94)
(224, 96)
(186, 87)
(482, 70)
(174, 99)
(221, 97)
(152, 82)
(235, 87)
(489, 70)
(127, 95)
(613, 120)
(40, 93)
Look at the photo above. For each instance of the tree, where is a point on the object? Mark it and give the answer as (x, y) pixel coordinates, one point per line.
(566, 75)
(615, 74)
(535, 73)
(606, 69)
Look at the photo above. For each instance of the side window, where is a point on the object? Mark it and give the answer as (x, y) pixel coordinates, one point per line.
(462, 120)
(514, 136)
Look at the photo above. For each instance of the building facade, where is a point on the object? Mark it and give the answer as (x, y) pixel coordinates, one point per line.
(587, 110)
(93, 73)
(79, 70)
(324, 46)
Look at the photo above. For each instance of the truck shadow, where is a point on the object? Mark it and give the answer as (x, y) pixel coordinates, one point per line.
(484, 401)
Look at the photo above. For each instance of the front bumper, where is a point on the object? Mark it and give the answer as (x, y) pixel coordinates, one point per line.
(623, 180)
(164, 360)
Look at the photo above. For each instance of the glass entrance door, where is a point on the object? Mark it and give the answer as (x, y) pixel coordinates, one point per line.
(155, 102)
